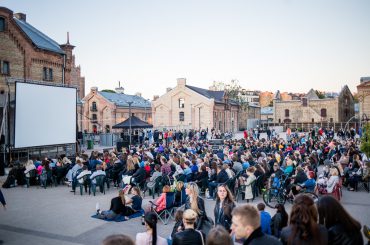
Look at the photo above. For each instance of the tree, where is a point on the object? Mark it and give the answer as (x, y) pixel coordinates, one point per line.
(321, 95)
(235, 92)
(365, 140)
(109, 91)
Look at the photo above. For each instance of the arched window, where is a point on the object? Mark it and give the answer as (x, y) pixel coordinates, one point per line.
(181, 103)
(181, 116)
(2, 24)
(94, 107)
(286, 113)
(323, 112)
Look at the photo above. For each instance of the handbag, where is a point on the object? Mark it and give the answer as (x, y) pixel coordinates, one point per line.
(207, 225)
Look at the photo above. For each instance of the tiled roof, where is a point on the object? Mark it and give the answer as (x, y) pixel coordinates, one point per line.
(38, 38)
(122, 100)
(267, 110)
(216, 95)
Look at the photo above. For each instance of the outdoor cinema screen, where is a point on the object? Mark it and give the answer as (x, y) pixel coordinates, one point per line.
(44, 115)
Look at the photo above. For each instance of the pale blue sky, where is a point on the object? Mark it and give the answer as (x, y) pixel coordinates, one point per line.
(266, 45)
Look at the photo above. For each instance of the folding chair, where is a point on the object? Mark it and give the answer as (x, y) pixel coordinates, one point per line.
(166, 214)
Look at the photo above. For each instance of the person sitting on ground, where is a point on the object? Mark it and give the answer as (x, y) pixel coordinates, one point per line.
(265, 219)
(118, 240)
(135, 201)
(151, 236)
(189, 235)
(342, 227)
(247, 225)
(219, 236)
(117, 207)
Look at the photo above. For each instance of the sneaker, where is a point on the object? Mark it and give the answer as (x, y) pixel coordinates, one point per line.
(209, 198)
(97, 207)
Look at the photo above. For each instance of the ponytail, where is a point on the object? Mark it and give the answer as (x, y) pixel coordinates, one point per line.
(151, 220)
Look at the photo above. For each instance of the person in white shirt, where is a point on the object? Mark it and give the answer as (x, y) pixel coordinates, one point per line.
(150, 237)
(29, 166)
(84, 172)
(98, 171)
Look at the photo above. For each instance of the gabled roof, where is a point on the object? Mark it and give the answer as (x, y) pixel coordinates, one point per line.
(38, 38)
(311, 95)
(121, 100)
(216, 95)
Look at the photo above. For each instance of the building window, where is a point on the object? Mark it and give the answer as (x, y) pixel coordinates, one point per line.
(323, 112)
(44, 73)
(94, 117)
(304, 101)
(279, 120)
(107, 129)
(93, 106)
(181, 116)
(2, 24)
(331, 120)
(286, 113)
(5, 68)
(313, 120)
(181, 103)
(50, 74)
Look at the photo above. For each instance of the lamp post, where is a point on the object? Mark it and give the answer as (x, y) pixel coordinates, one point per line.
(129, 116)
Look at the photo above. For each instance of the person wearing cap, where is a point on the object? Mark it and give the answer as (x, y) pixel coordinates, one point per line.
(189, 235)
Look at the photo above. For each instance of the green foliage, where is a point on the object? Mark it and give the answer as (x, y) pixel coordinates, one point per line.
(365, 140)
(234, 92)
(321, 95)
(109, 91)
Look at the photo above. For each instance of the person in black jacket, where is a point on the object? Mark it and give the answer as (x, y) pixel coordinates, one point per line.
(221, 178)
(247, 225)
(117, 207)
(279, 220)
(224, 206)
(342, 228)
(2, 200)
(189, 236)
(196, 203)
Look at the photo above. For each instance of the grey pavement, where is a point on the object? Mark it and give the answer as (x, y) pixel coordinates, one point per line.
(57, 216)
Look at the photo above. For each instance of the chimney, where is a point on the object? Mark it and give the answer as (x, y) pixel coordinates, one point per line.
(138, 94)
(120, 90)
(168, 90)
(181, 82)
(94, 90)
(155, 97)
(20, 16)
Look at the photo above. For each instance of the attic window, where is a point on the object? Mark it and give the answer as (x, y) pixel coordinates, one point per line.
(2, 24)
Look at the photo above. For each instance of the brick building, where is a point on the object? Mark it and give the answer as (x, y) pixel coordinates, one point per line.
(311, 109)
(363, 93)
(102, 110)
(191, 107)
(28, 54)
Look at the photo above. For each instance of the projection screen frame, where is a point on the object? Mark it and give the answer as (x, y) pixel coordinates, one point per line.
(15, 112)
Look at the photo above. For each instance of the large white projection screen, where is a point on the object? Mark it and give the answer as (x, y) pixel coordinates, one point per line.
(44, 115)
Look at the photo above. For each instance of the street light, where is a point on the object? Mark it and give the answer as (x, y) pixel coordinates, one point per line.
(129, 115)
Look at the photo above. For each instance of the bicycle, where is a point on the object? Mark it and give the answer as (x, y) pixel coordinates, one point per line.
(279, 195)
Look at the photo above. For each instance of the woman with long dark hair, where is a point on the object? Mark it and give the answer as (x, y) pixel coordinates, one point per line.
(303, 228)
(224, 206)
(342, 227)
(279, 220)
(150, 237)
